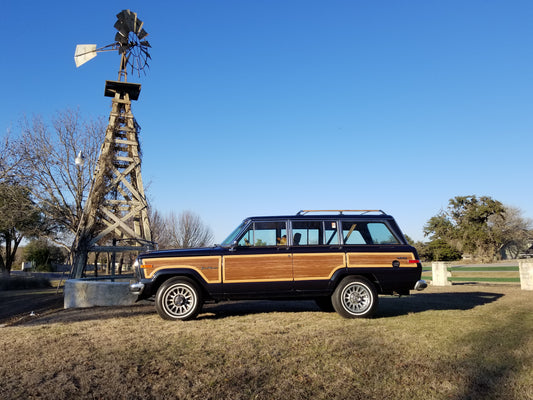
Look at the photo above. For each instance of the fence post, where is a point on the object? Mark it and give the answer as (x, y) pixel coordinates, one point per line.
(526, 275)
(440, 274)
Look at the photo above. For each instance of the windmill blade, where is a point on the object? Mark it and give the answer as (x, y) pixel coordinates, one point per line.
(142, 34)
(121, 26)
(138, 26)
(128, 18)
(135, 23)
(145, 52)
(84, 53)
(121, 39)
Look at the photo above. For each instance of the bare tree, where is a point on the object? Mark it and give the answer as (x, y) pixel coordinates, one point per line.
(10, 159)
(56, 182)
(513, 230)
(160, 234)
(184, 231)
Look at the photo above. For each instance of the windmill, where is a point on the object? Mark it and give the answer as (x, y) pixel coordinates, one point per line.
(115, 216)
(128, 41)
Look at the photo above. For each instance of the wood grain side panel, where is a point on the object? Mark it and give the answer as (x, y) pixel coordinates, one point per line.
(258, 268)
(210, 268)
(380, 260)
(317, 266)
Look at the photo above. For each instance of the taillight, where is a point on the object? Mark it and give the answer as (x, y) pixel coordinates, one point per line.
(414, 261)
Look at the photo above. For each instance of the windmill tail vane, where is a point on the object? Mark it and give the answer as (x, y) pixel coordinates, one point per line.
(86, 52)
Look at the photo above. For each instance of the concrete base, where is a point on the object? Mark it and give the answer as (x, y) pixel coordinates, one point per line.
(526, 275)
(79, 293)
(440, 274)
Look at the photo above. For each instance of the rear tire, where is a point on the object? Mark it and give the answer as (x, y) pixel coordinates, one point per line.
(178, 299)
(355, 297)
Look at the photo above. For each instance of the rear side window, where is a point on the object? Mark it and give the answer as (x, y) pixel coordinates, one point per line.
(356, 232)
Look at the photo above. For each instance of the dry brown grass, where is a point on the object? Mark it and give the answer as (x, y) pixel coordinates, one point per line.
(460, 342)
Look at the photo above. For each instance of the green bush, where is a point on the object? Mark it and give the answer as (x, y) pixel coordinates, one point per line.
(43, 254)
(438, 250)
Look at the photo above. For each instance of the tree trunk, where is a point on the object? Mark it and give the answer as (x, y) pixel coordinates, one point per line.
(12, 241)
(80, 254)
(3, 269)
(121, 262)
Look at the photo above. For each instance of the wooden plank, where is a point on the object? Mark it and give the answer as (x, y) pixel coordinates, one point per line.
(258, 268)
(317, 265)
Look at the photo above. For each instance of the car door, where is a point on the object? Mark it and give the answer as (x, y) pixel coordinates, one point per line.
(316, 254)
(261, 263)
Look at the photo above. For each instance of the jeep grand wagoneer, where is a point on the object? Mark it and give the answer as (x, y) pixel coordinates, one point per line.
(340, 258)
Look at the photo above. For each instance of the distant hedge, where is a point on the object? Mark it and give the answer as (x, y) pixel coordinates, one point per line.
(22, 282)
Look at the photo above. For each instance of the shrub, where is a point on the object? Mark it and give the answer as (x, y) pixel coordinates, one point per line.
(23, 282)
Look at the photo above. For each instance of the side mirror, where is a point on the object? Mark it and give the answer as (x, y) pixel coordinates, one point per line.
(233, 246)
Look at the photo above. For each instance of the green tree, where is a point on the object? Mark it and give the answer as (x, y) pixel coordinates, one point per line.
(440, 250)
(465, 226)
(43, 254)
(19, 218)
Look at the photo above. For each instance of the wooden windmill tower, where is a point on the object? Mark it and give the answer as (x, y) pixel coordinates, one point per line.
(115, 217)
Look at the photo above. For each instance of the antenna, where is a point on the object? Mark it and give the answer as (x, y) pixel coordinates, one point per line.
(129, 42)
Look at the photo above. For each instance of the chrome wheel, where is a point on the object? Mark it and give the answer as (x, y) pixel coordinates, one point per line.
(355, 297)
(178, 299)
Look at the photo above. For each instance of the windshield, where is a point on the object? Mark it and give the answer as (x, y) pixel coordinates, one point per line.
(233, 235)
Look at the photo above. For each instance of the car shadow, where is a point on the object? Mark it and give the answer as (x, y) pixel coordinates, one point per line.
(389, 306)
(248, 307)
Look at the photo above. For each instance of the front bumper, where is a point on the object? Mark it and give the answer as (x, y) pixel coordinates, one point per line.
(136, 288)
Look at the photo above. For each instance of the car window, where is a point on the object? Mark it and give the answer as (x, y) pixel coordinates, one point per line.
(306, 233)
(356, 232)
(312, 233)
(352, 234)
(265, 234)
(381, 234)
(233, 235)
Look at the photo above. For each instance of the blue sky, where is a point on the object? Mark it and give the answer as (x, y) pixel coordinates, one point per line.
(272, 106)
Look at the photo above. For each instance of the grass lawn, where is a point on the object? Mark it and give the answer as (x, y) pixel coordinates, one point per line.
(458, 342)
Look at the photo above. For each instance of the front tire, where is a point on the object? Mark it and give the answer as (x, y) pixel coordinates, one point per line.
(355, 297)
(178, 299)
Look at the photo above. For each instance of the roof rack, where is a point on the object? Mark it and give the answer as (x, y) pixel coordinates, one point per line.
(303, 212)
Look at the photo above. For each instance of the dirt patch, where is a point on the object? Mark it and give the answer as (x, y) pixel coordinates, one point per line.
(22, 305)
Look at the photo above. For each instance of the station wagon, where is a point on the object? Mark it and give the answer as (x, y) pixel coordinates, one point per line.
(342, 259)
